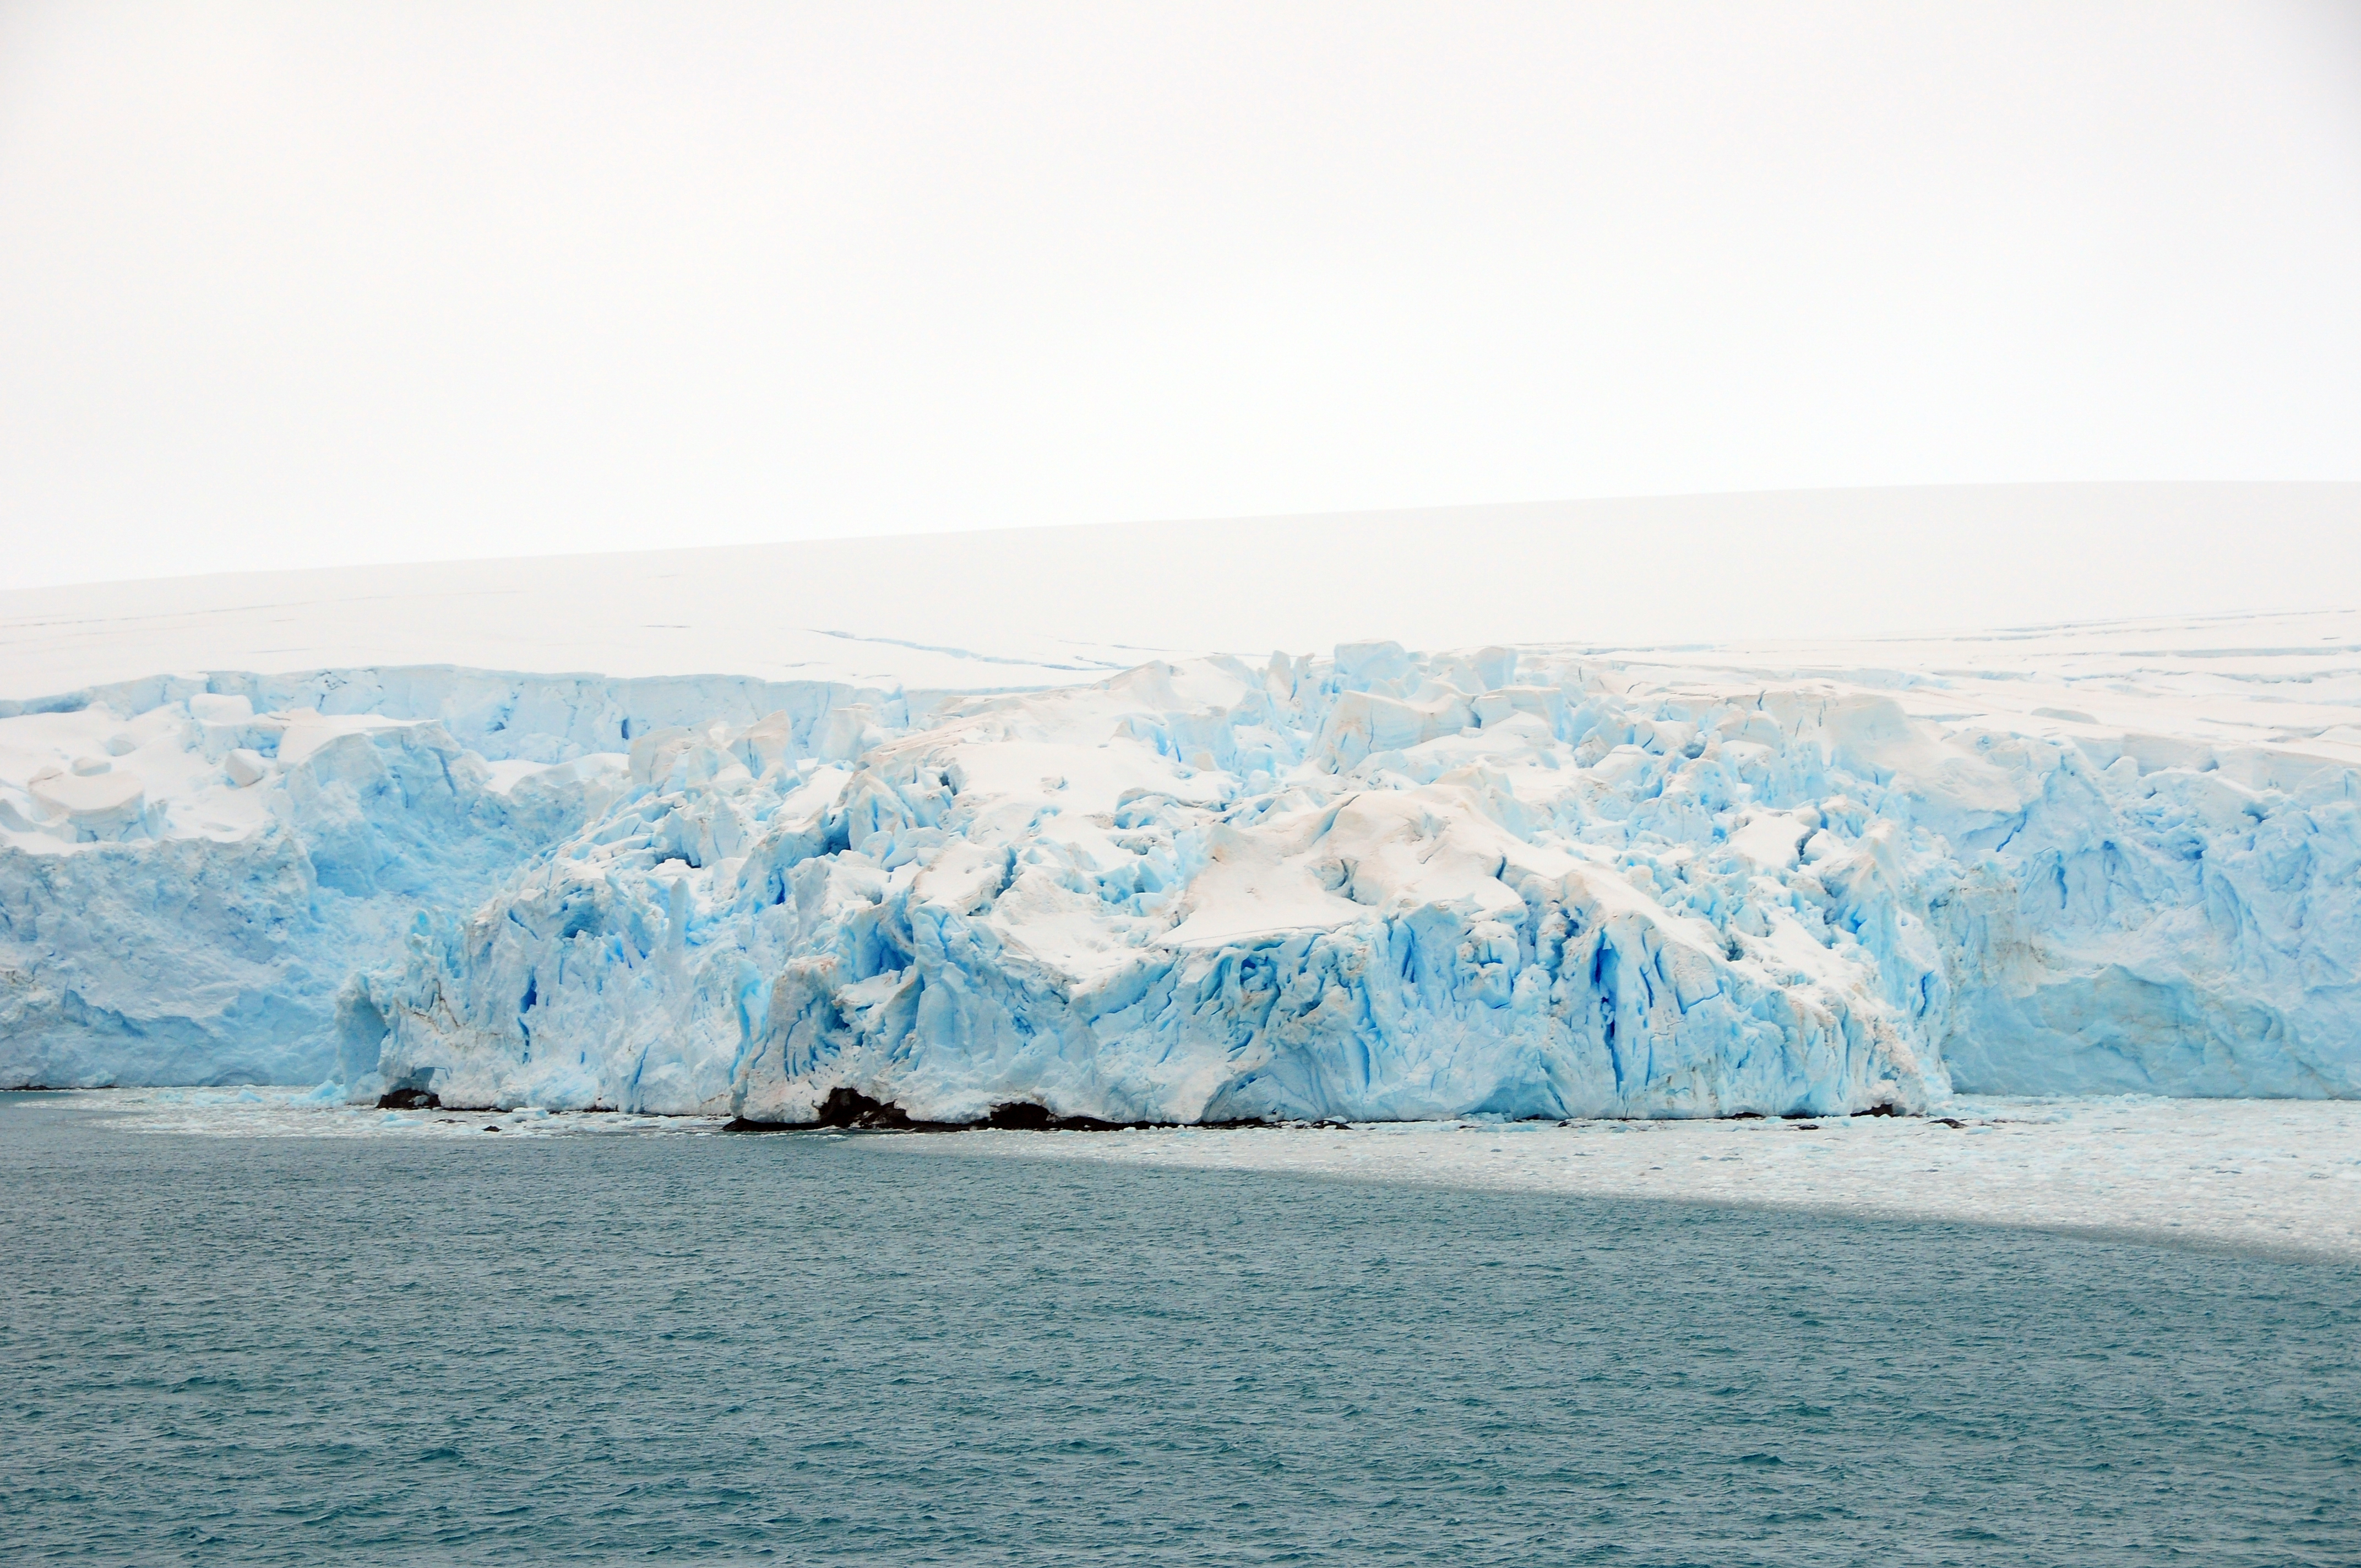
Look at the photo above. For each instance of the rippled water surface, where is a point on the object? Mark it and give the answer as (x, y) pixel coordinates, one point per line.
(837, 1349)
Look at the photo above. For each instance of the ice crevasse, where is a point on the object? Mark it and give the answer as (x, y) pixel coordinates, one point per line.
(1376, 885)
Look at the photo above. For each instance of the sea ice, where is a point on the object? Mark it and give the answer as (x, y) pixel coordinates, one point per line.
(2280, 1177)
(2263, 1176)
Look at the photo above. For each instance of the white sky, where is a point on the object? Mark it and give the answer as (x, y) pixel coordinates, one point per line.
(315, 283)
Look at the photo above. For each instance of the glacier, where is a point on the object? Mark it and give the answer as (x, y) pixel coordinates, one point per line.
(1376, 885)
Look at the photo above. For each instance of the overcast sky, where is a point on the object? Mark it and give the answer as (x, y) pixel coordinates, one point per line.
(321, 284)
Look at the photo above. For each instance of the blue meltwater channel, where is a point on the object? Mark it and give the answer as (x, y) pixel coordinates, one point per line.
(855, 1349)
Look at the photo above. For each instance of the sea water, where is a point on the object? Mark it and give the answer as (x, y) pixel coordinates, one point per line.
(840, 1349)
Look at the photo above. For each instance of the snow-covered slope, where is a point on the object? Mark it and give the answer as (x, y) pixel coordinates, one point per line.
(1535, 882)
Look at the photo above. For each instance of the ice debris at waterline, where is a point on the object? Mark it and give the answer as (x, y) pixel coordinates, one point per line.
(1382, 885)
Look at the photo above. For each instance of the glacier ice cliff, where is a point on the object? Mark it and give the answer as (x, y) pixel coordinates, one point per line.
(1527, 883)
(194, 869)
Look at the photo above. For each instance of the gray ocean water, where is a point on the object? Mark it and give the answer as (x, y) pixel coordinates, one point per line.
(844, 1349)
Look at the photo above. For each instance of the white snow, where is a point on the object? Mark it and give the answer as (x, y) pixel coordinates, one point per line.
(173, 771)
(1045, 607)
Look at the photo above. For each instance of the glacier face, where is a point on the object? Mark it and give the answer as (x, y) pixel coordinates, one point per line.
(192, 870)
(1376, 885)
(1385, 886)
